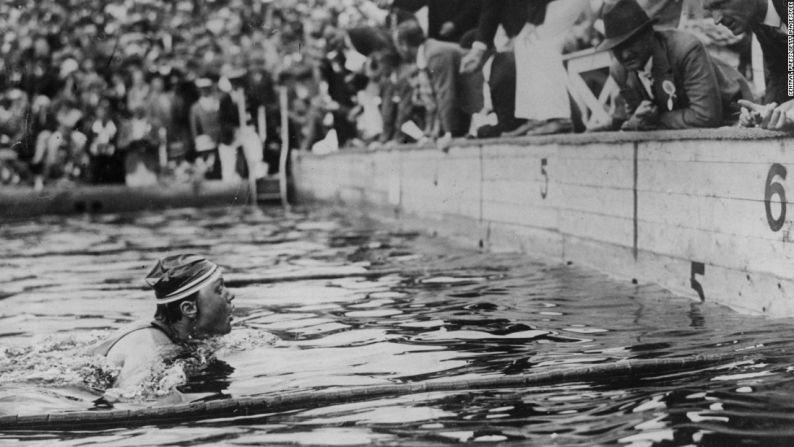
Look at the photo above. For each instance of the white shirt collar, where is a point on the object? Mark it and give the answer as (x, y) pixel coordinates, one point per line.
(645, 75)
(772, 18)
(648, 67)
(421, 60)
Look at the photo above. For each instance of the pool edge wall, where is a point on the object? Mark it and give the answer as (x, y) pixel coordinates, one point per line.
(21, 203)
(704, 213)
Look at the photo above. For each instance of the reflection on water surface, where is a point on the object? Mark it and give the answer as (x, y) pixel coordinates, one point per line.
(436, 313)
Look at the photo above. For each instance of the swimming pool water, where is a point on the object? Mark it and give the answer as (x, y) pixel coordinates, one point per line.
(438, 312)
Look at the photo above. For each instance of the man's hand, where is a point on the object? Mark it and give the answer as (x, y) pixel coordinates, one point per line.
(647, 112)
(645, 117)
(600, 126)
(771, 116)
(447, 29)
(782, 116)
(472, 61)
(755, 115)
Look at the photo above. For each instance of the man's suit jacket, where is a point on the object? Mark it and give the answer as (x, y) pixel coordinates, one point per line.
(511, 14)
(457, 95)
(706, 90)
(774, 45)
(463, 13)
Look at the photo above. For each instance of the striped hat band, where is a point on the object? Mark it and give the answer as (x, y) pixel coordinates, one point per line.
(179, 276)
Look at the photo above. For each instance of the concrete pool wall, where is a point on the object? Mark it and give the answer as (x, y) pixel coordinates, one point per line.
(702, 212)
(25, 202)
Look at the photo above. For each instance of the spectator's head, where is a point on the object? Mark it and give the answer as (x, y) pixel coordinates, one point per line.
(68, 116)
(408, 37)
(381, 64)
(157, 83)
(41, 48)
(137, 76)
(738, 15)
(629, 34)
(103, 109)
(88, 65)
(205, 86)
(366, 39)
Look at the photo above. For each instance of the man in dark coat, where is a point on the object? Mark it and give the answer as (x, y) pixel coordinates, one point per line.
(768, 20)
(667, 78)
(501, 76)
(513, 15)
(447, 20)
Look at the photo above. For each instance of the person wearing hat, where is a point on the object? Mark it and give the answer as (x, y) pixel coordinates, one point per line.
(769, 21)
(666, 77)
(192, 303)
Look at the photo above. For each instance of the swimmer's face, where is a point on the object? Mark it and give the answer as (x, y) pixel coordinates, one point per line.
(215, 309)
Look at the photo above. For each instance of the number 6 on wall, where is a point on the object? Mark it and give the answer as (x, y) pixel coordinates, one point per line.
(772, 188)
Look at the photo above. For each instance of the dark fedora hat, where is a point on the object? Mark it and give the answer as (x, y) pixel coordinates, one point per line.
(623, 20)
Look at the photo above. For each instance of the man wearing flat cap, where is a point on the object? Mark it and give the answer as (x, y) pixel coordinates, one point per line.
(192, 303)
(667, 78)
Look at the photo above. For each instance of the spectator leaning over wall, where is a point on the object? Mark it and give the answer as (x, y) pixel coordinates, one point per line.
(768, 20)
(457, 96)
(666, 78)
(538, 29)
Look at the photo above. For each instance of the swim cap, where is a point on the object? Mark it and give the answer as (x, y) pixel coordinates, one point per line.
(178, 276)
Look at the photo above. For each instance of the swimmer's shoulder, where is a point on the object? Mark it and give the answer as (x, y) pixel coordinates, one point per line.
(144, 342)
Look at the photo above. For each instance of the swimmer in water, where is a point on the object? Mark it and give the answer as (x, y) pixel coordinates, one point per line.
(192, 303)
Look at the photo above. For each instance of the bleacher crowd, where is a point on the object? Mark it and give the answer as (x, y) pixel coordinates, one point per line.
(139, 90)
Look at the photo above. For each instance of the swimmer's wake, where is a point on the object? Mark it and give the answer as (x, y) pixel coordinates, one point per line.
(284, 401)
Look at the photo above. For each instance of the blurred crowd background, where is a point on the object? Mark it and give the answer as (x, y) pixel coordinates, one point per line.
(137, 91)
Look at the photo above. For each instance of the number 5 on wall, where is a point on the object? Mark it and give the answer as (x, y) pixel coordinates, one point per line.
(698, 268)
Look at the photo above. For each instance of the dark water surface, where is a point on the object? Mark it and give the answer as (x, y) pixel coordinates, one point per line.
(443, 313)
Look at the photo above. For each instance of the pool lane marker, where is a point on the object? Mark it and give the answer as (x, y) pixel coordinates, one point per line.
(249, 406)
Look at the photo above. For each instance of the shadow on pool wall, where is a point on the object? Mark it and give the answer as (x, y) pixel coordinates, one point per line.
(20, 203)
(700, 212)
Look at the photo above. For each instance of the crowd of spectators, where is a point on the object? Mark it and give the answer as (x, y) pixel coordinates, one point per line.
(135, 90)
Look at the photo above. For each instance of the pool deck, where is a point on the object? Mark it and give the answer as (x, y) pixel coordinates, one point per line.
(701, 212)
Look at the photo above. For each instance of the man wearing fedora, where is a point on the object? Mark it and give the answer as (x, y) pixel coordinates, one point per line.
(666, 78)
(768, 20)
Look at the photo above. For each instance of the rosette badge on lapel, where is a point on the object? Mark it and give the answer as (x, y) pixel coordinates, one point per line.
(669, 89)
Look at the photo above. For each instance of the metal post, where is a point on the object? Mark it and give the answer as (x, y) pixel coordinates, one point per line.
(282, 162)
